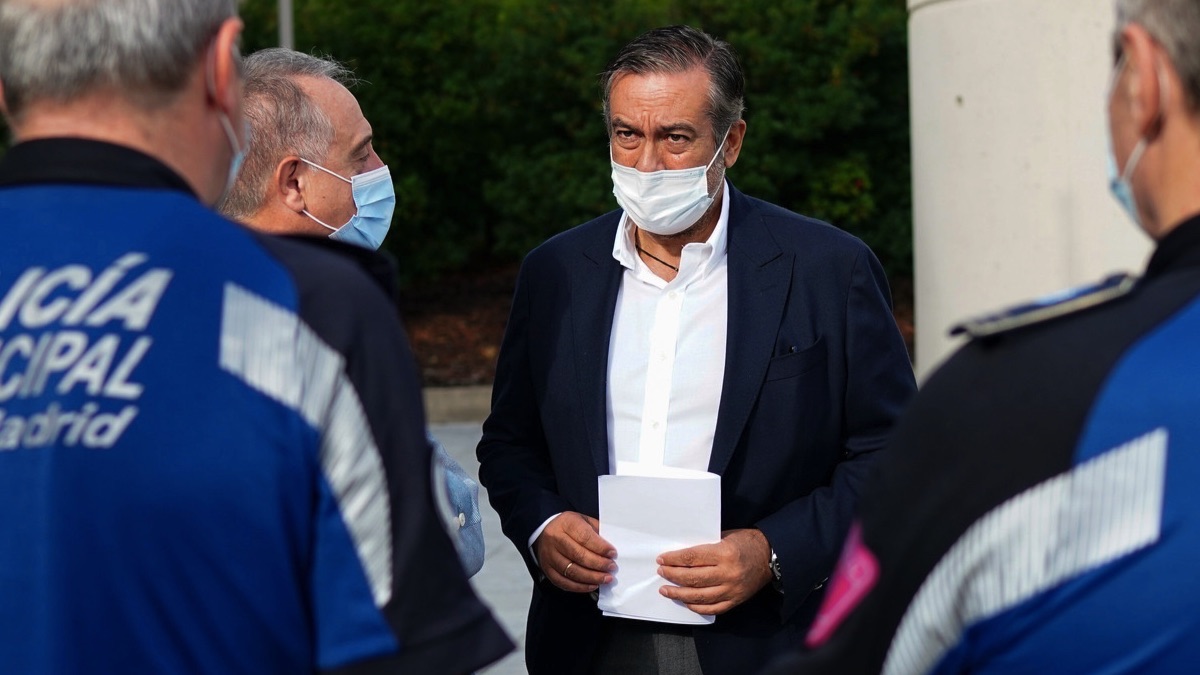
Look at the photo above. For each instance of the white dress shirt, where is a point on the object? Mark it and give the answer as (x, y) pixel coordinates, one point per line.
(659, 413)
(666, 357)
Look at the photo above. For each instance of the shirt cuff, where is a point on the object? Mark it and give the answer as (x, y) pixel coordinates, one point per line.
(537, 533)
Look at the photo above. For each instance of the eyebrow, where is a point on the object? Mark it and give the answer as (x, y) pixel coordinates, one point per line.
(618, 122)
(362, 144)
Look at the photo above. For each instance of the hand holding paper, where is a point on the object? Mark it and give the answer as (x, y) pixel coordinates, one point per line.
(715, 578)
(644, 516)
(572, 554)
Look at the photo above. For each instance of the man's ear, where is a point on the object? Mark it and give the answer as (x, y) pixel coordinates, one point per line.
(226, 77)
(289, 183)
(4, 108)
(733, 143)
(1144, 82)
(6, 118)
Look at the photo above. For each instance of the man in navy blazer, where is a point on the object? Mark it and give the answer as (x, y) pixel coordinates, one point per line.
(708, 330)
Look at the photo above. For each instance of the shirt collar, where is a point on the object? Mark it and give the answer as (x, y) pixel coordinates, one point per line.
(1180, 248)
(80, 160)
(625, 253)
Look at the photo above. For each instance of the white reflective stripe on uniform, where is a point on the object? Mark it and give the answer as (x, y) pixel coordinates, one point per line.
(1101, 510)
(276, 353)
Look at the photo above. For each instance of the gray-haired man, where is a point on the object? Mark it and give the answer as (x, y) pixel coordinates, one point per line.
(212, 449)
(312, 145)
(695, 328)
(1038, 510)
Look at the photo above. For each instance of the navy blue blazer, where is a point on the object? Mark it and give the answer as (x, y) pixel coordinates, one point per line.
(815, 375)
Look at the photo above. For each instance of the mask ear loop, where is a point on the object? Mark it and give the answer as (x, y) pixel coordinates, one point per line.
(1143, 143)
(338, 176)
(720, 153)
(320, 222)
(321, 168)
(1156, 126)
(720, 148)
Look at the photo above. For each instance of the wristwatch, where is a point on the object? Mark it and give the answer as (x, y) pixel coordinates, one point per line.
(776, 572)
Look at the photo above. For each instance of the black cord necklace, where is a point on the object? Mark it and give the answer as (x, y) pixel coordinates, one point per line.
(637, 244)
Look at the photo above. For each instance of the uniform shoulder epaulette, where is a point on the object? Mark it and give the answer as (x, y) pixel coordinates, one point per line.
(1046, 308)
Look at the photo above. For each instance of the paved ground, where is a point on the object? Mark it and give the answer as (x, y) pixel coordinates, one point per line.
(503, 583)
(457, 404)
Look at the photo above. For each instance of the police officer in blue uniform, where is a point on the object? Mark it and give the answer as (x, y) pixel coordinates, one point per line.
(212, 451)
(1037, 511)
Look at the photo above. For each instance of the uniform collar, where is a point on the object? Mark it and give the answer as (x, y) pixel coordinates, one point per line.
(79, 160)
(1180, 248)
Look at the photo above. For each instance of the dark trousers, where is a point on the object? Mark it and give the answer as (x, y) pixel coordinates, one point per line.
(632, 647)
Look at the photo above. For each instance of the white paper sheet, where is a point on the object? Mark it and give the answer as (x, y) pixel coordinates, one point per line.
(646, 511)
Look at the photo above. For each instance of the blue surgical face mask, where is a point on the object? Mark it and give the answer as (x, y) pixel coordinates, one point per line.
(239, 152)
(375, 199)
(1118, 181)
(239, 149)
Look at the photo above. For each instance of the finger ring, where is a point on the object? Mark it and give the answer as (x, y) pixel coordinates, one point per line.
(567, 570)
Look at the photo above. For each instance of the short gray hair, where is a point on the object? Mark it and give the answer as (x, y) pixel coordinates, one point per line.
(1175, 25)
(283, 121)
(145, 49)
(677, 49)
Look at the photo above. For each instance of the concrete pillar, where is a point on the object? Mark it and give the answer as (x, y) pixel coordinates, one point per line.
(1009, 138)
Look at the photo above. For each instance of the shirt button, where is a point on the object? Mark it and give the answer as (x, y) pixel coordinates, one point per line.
(661, 357)
(672, 295)
(462, 520)
(654, 425)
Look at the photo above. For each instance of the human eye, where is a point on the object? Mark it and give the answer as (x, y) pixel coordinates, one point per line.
(626, 138)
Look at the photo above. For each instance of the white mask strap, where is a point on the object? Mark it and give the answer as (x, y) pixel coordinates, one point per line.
(720, 150)
(305, 211)
(319, 221)
(335, 175)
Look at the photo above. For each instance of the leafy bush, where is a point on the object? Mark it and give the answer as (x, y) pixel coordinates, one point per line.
(488, 112)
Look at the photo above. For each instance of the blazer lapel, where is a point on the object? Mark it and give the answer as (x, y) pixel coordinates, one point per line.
(759, 279)
(595, 281)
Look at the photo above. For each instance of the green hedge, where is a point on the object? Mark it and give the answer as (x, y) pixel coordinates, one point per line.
(488, 112)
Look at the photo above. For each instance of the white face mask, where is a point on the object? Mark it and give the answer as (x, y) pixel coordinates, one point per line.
(663, 202)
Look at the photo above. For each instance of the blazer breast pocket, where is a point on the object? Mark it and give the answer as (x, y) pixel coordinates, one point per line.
(798, 362)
